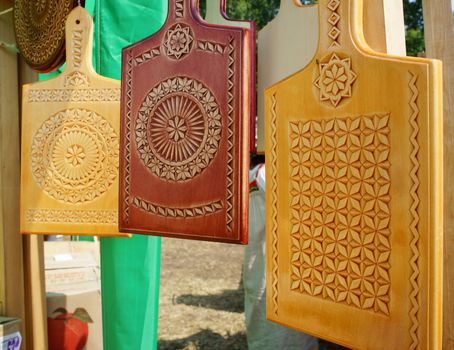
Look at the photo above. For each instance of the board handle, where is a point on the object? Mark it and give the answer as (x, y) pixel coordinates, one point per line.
(179, 9)
(341, 25)
(216, 13)
(79, 41)
(217, 6)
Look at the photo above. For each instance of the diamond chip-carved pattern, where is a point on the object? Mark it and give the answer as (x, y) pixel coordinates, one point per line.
(210, 46)
(77, 37)
(179, 8)
(147, 56)
(69, 216)
(340, 215)
(336, 78)
(334, 32)
(179, 212)
(74, 95)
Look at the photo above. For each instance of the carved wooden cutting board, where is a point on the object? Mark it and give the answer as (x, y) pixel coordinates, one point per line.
(185, 130)
(354, 193)
(40, 31)
(216, 14)
(277, 58)
(439, 36)
(70, 144)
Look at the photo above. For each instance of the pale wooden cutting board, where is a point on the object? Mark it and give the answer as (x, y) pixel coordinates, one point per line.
(70, 144)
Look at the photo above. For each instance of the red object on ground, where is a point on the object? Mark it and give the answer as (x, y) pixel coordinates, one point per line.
(67, 332)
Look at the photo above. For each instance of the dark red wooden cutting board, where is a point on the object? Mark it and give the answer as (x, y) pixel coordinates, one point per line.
(186, 106)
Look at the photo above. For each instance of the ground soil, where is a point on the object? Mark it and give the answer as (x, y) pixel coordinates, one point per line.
(201, 298)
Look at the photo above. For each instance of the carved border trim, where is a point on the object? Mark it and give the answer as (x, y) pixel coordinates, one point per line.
(230, 134)
(57, 216)
(127, 170)
(414, 226)
(334, 20)
(179, 8)
(147, 56)
(211, 47)
(76, 37)
(74, 95)
(274, 208)
(178, 212)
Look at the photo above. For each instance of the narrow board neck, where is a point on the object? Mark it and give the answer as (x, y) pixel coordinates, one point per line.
(79, 41)
(340, 21)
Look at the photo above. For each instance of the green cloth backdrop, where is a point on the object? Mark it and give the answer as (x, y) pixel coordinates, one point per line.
(130, 268)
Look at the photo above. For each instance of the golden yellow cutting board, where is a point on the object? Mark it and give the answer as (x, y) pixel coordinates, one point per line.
(439, 36)
(70, 144)
(354, 193)
(289, 41)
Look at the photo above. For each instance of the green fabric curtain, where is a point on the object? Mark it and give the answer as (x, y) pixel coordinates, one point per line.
(130, 268)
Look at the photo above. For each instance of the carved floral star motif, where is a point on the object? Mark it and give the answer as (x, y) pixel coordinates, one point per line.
(177, 129)
(336, 79)
(75, 155)
(178, 41)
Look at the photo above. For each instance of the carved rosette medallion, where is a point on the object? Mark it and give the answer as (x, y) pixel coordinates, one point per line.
(178, 41)
(336, 78)
(178, 129)
(40, 30)
(74, 156)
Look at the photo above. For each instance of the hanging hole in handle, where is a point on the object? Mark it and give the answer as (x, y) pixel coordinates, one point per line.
(77, 21)
(203, 8)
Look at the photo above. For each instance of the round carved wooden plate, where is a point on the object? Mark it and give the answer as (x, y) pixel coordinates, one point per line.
(40, 31)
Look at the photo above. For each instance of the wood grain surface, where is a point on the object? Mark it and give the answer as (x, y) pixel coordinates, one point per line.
(186, 106)
(11, 248)
(70, 145)
(439, 38)
(354, 192)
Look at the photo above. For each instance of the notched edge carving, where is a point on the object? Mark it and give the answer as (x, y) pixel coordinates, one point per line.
(74, 95)
(211, 47)
(179, 212)
(147, 56)
(59, 216)
(230, 133)
(414, 210)
(274, 208)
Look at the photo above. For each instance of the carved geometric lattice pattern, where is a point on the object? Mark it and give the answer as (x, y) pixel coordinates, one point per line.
(340, 215)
